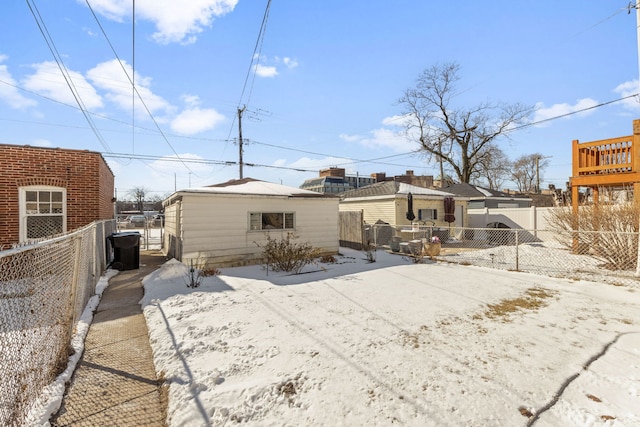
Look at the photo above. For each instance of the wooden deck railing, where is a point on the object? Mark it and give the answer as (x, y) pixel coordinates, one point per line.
(608, 156)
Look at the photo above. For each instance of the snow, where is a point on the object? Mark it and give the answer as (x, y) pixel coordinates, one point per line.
(483, 191)
(405, 188)
(384, 343)
(261, 188)
(393, 342)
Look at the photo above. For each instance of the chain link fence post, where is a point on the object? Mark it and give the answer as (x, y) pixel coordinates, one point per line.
(517, 252)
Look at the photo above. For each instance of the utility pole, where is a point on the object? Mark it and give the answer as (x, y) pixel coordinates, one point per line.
(240, 111)
(636, 186)
(537, 174)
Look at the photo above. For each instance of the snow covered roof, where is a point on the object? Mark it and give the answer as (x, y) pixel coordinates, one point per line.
(389, 188)
(475, 191)
(250, 186)
(414, 189)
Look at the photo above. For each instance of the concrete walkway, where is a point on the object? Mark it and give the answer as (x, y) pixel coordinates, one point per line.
(115, 381)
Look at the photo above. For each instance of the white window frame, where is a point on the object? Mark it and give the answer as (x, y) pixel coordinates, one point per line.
(256, 222)
(427, 214)
(26, 213)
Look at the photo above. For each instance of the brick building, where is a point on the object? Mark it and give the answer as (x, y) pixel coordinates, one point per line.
(335, 180)
(46, 191)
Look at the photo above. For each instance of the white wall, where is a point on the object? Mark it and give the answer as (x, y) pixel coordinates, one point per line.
(372, 210)
(393, 209)
(216, 227)
(532, 218)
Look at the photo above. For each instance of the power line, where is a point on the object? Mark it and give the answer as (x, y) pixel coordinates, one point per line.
(131, 81)
(64, 71)
(200, 161)
(571, 113)
(257, 51)
(352, 161)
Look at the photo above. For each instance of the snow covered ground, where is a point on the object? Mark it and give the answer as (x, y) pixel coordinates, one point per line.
(394, 343)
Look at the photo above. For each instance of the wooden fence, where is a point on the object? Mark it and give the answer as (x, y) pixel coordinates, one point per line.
(351, 228)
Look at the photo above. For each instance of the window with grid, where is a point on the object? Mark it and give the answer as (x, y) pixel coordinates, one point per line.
(42, 212)
(271, 220)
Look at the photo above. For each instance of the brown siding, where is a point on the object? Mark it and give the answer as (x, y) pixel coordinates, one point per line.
(84, 174)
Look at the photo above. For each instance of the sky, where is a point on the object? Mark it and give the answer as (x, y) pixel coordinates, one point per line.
(318, 83)
(360, 343)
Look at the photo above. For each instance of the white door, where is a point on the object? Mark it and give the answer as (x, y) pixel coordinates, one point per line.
(459, 216)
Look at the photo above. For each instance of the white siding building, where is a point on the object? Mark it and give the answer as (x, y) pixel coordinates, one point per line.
(387, 202)
(223, 225)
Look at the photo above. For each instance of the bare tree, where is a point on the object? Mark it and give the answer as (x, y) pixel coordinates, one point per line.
(138, 194)
(526, 171)
(455, 136)
(493, 167)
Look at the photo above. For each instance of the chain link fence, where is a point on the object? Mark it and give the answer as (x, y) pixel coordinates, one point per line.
(150, 227)
(44, 288)
(609, 257)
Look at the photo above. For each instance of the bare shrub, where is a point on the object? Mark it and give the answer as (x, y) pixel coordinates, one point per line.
(370, 251)
(197, 271)
(194, 275)
(287, 255)
(606, 231)
(210, 271)
(328, 259)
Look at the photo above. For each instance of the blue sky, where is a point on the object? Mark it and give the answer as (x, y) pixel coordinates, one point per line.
(323, 91)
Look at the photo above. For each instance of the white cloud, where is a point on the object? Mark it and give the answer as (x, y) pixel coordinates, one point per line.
(9, 91)
(350, 138)
(391, 136)
(175, 21)
(48, 81)
(191, 100)
(196, 120)
(558, 110)
(290, 63)
(396, 120)
(628, 89)
(110, 77)
(265, 71)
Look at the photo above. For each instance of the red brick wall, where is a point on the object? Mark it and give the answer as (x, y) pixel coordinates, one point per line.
(84, 174)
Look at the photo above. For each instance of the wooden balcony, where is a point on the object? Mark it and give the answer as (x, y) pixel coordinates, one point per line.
(607, 162)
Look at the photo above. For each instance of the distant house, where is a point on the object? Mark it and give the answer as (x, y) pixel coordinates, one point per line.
(388, 202)
(47, 191)
(480, 197)
(222, 225)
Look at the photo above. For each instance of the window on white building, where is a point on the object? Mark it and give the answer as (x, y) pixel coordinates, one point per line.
(42, 212)
(271, 220)
(427, 214)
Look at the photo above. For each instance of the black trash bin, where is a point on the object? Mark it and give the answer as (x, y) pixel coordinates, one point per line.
(126, 250)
